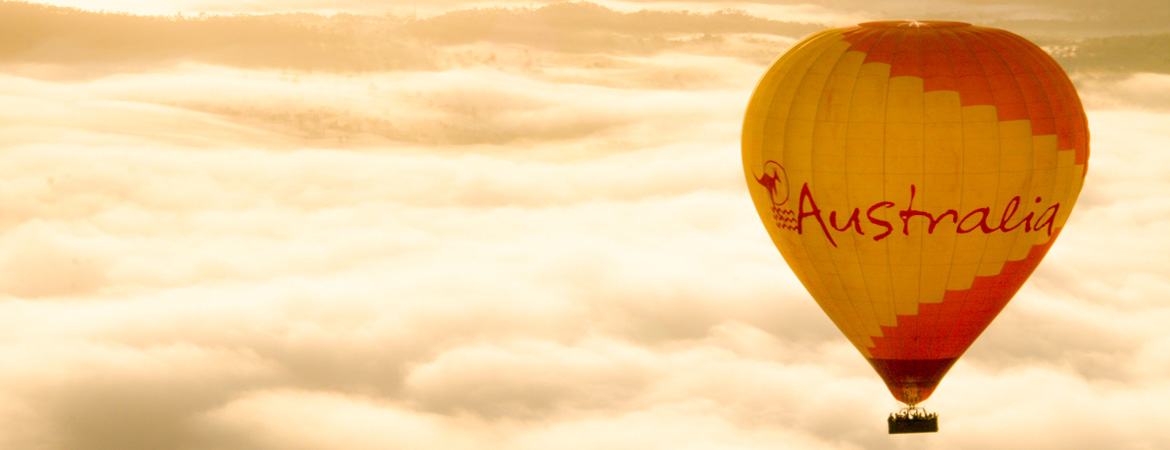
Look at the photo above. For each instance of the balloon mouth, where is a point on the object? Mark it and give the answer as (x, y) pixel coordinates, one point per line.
(912, 380)
(914, 24)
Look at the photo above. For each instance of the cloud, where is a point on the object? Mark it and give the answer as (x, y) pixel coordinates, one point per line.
(70, 44)
(1075, 18)
(588, 27)
(80, 44)
(65, 43)
(103, 395)
(1033, 18)
(551, 248)
(1143, 90)
(318, 420)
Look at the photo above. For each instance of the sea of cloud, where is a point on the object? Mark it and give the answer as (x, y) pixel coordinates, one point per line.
(521, 248)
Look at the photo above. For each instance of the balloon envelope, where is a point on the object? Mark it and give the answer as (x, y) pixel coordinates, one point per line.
(912, 175)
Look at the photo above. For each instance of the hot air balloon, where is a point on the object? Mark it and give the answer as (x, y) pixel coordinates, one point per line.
(913, 174)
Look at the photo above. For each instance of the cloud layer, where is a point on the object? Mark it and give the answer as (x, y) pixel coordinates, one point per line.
(534, 234)
(66, 43)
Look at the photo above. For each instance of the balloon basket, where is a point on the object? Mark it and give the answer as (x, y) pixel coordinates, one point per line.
(913, 419)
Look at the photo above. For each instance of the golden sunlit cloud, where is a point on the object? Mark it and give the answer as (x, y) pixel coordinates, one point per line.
(367, 231)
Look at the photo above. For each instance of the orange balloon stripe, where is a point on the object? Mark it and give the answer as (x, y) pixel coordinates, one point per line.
(996, 77)
(963, 314)
(938, 71)
(1072, 129)
(982, 65)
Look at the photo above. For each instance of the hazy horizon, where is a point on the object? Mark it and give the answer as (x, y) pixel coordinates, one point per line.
(509, 225)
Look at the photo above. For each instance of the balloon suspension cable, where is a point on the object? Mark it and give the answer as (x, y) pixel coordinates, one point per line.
(913, 419)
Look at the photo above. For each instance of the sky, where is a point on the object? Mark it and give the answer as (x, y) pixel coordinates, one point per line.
(516, 225)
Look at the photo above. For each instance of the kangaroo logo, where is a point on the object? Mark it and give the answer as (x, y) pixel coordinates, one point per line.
(775, 180)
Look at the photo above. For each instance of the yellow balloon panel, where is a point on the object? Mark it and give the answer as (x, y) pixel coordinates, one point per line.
(913, 175)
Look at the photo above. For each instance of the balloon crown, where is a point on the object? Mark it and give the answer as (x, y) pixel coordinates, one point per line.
(913, 24)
